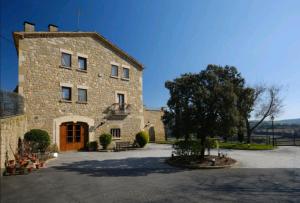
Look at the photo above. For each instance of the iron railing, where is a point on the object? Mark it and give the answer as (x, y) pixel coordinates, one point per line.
(11, 104)
(120, 109)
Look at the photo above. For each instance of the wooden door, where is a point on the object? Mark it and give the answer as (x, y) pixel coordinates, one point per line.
(73, 136)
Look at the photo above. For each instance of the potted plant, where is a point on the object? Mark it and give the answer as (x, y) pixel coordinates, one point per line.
(105, 140)
(11, 170)
(142, 138)
(11, 162)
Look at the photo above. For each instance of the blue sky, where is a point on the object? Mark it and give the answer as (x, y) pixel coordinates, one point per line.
(171, 37)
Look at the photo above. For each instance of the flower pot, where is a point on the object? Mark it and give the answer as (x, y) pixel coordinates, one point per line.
(29, 169)
(11, 170)
(37, 166)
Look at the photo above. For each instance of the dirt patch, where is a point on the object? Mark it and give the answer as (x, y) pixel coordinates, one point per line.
(197, 163)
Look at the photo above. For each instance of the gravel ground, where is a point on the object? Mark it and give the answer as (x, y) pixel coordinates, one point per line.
(142, 176)
(282, 157)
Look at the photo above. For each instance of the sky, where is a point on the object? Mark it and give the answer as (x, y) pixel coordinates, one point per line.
(172, 37)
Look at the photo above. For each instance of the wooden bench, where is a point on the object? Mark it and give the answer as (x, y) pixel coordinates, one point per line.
(122, 146)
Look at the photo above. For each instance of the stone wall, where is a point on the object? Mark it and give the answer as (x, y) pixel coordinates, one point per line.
(41, 77)
(154, 124)
(11, 129)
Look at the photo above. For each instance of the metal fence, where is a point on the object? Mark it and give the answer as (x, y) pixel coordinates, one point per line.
(11, 104)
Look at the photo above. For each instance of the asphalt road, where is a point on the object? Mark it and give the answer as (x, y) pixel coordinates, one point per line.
(142, 176)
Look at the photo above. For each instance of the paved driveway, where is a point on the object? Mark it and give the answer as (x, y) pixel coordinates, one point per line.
(142, 176)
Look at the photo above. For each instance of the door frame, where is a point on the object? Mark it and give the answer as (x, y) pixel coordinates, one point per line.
(73, 118)
(64, 133)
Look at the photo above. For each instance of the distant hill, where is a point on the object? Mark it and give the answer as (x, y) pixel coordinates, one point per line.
(295, 121)
(287, 122)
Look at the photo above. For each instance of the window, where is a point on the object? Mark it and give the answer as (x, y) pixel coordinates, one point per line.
(82, 95)
(126, 73)
(66, 93)
(114, 70)
(66, 60)
(115, 132)
(82, 63)
(69, 133)
(121, 101)
(77, 133)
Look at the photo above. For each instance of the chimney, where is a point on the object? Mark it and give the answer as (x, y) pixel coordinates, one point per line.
(52, 28)
(29, 27)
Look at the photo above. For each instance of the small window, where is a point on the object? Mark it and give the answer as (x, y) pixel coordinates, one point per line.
(126, 73)
(82, 95)
(66, 60)
(115, 132)
(114, 70)
(82, 65)
(66, 93)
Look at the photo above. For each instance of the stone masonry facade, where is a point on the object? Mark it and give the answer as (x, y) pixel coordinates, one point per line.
(41, 78)
(11, 129)
(154, 124)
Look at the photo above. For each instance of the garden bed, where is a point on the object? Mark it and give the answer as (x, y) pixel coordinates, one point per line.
(209, 162)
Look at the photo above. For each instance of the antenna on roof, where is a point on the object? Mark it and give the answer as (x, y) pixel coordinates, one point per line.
(78, 16)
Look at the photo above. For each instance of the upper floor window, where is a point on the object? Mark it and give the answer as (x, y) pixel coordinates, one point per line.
(66, 59)
(115, 132)
(66, 93)
(126, 73)
(82, 95)
(114, 70)
(82, 64)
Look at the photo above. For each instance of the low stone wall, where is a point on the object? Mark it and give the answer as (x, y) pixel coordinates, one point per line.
(154, 125)
(11, 129)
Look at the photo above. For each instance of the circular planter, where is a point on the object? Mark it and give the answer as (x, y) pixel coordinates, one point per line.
(198, 165)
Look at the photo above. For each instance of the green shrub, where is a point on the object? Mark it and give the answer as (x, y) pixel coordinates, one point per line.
(105, 140)
(244, 146)
(212, 143)
(39, 139)
(187, 148)
(142, 138)
(92, 146)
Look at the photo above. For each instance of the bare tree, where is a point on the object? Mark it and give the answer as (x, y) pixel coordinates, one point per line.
(267, 102)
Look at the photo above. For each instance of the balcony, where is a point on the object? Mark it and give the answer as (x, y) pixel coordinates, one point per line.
(117, 109)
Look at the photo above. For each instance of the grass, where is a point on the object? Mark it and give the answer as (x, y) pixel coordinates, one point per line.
(244, 146)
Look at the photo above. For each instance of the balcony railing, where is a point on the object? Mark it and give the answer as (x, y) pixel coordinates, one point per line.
(120, 109)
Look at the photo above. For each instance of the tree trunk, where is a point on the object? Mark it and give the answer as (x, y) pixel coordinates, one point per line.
(241, 136)
(202, 147)
(249, 131)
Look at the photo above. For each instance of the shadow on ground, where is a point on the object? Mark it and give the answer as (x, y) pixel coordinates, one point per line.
(119, 167)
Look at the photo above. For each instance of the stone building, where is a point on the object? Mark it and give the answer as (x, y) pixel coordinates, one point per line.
(154, 125)
(77, 85)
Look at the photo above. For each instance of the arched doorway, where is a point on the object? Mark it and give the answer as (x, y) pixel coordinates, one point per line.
(151, 134)
(73, 136)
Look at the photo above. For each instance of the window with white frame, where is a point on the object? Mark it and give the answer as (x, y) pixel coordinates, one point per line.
(82, 95)
(114, 70)
(125, 73)
(66, 59)
(82, 63)
(115, 132)
(66, 93)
